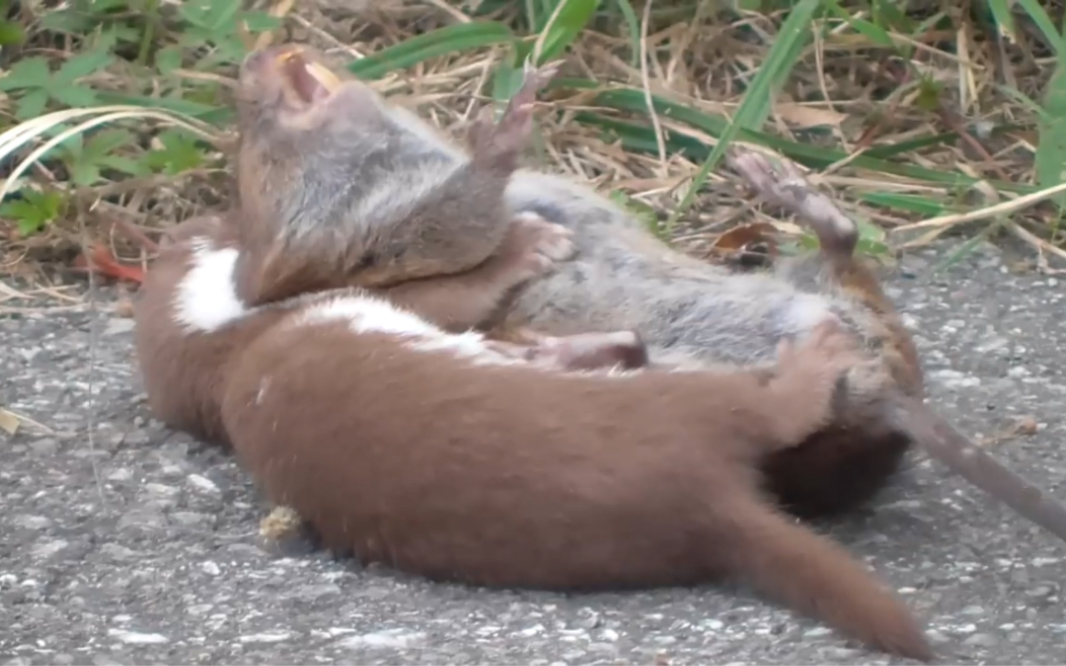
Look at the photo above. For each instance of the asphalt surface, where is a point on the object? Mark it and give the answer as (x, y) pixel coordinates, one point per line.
(140, 545)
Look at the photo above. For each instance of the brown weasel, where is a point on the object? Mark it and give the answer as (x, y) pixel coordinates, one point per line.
(189, 294)
(431, 453)
(623, 278)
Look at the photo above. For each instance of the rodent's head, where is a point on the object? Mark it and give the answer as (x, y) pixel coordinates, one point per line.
(300, 125)
(330, 174)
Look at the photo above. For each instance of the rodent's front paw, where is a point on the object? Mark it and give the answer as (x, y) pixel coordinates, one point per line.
(536, 244)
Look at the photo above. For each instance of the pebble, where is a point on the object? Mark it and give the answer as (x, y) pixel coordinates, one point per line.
(191, 518)
(203, 484)
(119, 553)
(389, 638)
(118, 326)
(136, 637)
(32, 522)
(981, 640)
(50, 547)
(314, 592)
(142, 518)
(45, 447)
(120, 474)
(161, 490)
(265, 637)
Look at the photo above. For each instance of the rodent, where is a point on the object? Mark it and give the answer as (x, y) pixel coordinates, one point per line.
(623, 278)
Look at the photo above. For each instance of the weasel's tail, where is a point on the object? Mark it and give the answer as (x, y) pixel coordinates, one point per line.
(812, 575)
(974, 464)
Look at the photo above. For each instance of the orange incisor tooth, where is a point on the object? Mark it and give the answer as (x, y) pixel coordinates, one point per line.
(323, 75)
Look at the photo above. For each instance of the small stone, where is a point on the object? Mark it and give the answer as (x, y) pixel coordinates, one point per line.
(1040, 591)
(116, 326)
(191, 518)
(136, 637)
(32, 522)
(389, 638)
(118, 553)
(266, 637)
(161, 490)
(203, 484)
(313, 592)
(973, 610)
(48, 548)
(142, 518)
(45, 447)
(199, 609)
(591, 621)
(210, 568)
(120, 474)
(937, 637)
(981, 640)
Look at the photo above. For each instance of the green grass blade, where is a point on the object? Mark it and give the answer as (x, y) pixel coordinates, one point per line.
(755, 107)
(815, 157)
(564, 25)
(1040, 17)
(449, 39)
(1050, 159)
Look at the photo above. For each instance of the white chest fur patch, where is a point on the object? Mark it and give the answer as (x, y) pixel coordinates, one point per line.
(206, 297)
(367, 314)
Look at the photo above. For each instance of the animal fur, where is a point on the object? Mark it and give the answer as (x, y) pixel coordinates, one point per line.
(623, 278)
(599, 479)
(503, 470)
(191, 290)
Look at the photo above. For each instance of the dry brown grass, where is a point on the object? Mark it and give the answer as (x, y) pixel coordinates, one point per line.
(874, 102)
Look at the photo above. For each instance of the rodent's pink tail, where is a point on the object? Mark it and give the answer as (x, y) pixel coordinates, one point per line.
(808, 573)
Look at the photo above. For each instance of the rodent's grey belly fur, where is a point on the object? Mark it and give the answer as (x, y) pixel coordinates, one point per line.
(616, 282)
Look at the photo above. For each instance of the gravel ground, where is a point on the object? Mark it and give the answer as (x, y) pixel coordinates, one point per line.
(139, 545)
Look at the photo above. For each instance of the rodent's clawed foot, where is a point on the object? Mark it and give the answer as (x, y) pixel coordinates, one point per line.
(497, 144)
(811, 375)
(534, 245)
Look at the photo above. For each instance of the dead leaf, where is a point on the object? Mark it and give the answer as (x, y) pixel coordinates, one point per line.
(123, 308)
(803, 117)
(1026, 425)
(101, 261)
(743, 237)
(9, 423)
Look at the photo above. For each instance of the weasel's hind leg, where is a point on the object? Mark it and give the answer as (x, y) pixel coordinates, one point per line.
(808, 573)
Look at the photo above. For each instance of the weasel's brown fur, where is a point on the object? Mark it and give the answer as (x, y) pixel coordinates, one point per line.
(505, 474)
